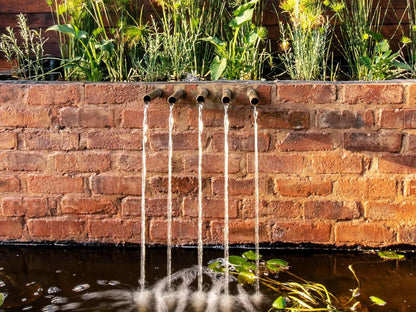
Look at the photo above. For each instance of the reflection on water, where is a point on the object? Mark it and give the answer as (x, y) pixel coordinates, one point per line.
(107, 279)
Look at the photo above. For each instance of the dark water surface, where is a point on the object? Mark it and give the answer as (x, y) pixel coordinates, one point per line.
(107, 278)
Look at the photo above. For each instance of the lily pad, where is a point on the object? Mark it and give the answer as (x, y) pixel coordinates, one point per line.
(279, 303)
(390, 255)
(251, 255)
(276, 265)
(246, 278)
(1, 299)
(378, 301)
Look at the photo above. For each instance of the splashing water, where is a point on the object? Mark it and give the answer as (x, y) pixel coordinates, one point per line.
(200, 239)
(226, 230)
(169, 212)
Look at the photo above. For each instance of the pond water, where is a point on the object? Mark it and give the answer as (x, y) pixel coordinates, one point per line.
(62, 278)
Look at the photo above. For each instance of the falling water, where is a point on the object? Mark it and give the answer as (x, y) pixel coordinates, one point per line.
(143, 202)
(226, 247)
(200, 241)
(256, 192)
(169, 212)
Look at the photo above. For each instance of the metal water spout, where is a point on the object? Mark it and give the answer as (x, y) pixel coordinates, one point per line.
(152, 95)
(202, 96)
(178, 94)
(253, 97)
(226, 96)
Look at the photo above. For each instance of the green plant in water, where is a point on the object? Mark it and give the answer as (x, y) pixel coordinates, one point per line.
(27, 55)
(1, 299)
(306, 36)
(297, 294)
(240, 57)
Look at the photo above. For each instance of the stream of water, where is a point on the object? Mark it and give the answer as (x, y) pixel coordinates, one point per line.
(169, 210)
(200, 211)
(226, 214)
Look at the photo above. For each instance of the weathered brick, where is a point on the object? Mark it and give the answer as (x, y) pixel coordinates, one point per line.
(44, 140)
(56, 229)
(82, 162)
(31, 118)
(87, 205)
(240, 141)
(306, 142)
(9, 184)
(133, 118)
(12, 93)
(373, 188)
(63, 94)
(54, 185)
(179, 184)
(303, 187)
(307, 93)
(373, 142)
(117, 230)
(155, 207)
(183, 231)
(8, 140)
(132, 161)
(296, 232)
(180, 141)
(240, 232)
(110, 93)
(369, 234)
(407, 234)
(11, 228)
(378, 93)
(411, 144)
(244, 187)
(345, 119)
(114, 140)
(212, 163)
(22, 161)
(116, 185)
(404, 212)
(410, 187)
(211, 208)
(272, 208)
(277, 163)
(398, 119)
(332, 210)
(338, 163)
(25, 206)
(215, 118)
(283, 119)
(400, 164)
(86, 117)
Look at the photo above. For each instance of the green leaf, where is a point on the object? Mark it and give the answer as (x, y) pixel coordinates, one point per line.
(251, 255)
(236, 260)
(217, 67)
(1, 299)
(276, 265)
(216, 267)
(215, 41)
(279, 303)
(390, 255)
(242, 18)
(378, 301)
(246, 278)
(69, 29)
(242, 8)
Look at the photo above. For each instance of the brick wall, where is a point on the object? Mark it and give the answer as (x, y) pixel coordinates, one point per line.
(337, 163)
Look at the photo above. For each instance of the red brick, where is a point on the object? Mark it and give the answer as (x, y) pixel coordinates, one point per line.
(240, 94)
(301, 232)
(283, 119)
(240, 232)
(332, 210)
(215, 118)
(377, 93)
(369, 234)
(31, 118)
(411, 94)
(212, 163)
(306, 142)
(133, 118)
(183, 231)
(179, 184)
(398, 119)
(237, 186)
(240, 141)
(277, 163)
(44, 140)
(55, 185)
(411, 144)
(11, 228)
(8, 140)
(87, 205)
(271, 208)
(404, 212)
(211, 208)
(306, 93)
(407, 234)
(115, 229)
(25, 206)
(345, 119)
(82, 162)
(114, 140)
(303, 187)
(337, 163)
(62, 94)
(9, 184)
(180, 141)
(86, 117)
(114, 93)
(12, 93)
(373, 142)
(155, 207)
(374, 188)
(23, 161)
(410, 187)
(401, 164)
(116, 185)
(132, 162)
(56, 229)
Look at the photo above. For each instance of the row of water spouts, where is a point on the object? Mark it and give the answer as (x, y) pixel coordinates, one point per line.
(226, 100)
